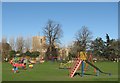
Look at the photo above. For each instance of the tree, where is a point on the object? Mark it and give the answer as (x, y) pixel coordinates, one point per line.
(105, 49)
(53, 33)
(112, 50)
(74, 49)
(5, 50)
(98, 47)
(83, 38)
(0, 48)
(12, 43)
(107, 39)
(0, 51)
(19, 43)
(4, 39)
(28, 42)
(118, 47)
(82, 42)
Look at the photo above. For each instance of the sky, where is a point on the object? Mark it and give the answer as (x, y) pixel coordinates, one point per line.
(0, 21)
(60, 0)
(29, 18)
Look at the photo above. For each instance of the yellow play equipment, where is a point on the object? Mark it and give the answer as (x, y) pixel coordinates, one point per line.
(83, 55)
(30, 65)
(66, 65)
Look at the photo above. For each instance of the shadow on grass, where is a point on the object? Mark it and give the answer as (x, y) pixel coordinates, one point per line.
(80, 74)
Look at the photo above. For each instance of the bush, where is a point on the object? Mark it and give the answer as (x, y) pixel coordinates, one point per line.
(35, 54)
(12, 53)
(28, 53)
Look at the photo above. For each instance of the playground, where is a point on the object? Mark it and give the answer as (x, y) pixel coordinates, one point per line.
(49, 71)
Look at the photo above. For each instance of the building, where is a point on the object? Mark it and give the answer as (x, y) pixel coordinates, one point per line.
(64, 52)
(39, 44)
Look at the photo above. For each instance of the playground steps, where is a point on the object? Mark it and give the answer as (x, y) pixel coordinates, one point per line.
(74, 69)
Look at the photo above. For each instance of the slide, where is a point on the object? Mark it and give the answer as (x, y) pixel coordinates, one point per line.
(96, 67)
(72, 72)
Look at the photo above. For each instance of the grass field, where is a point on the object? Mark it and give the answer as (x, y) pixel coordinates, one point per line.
(0, 71)
(49, 71)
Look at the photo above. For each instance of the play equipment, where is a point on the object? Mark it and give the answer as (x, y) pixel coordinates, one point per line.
(76, 66)
(66, 65)
(80, 61)
(15, 69)
(11, 61)
(30, 65)
(19, 65)
(42, 60)
(21, 62)
(90, 59)
(32, 61)
(98, 70)
(15, 62)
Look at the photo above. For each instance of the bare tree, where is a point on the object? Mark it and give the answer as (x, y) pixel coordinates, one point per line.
(19, 43)
(53, 33)
(4, 39)
(28, 42)
(12, 43)
(83, 38)
(0, 51)
(5, 48)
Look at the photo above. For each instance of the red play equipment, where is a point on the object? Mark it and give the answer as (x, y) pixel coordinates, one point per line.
(19, 65)
(75, 68)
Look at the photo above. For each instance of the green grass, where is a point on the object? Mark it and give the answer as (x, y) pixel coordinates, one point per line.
(49, 71)
(0, 72)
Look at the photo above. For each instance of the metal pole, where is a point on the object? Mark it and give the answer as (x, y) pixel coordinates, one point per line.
(82, 69)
